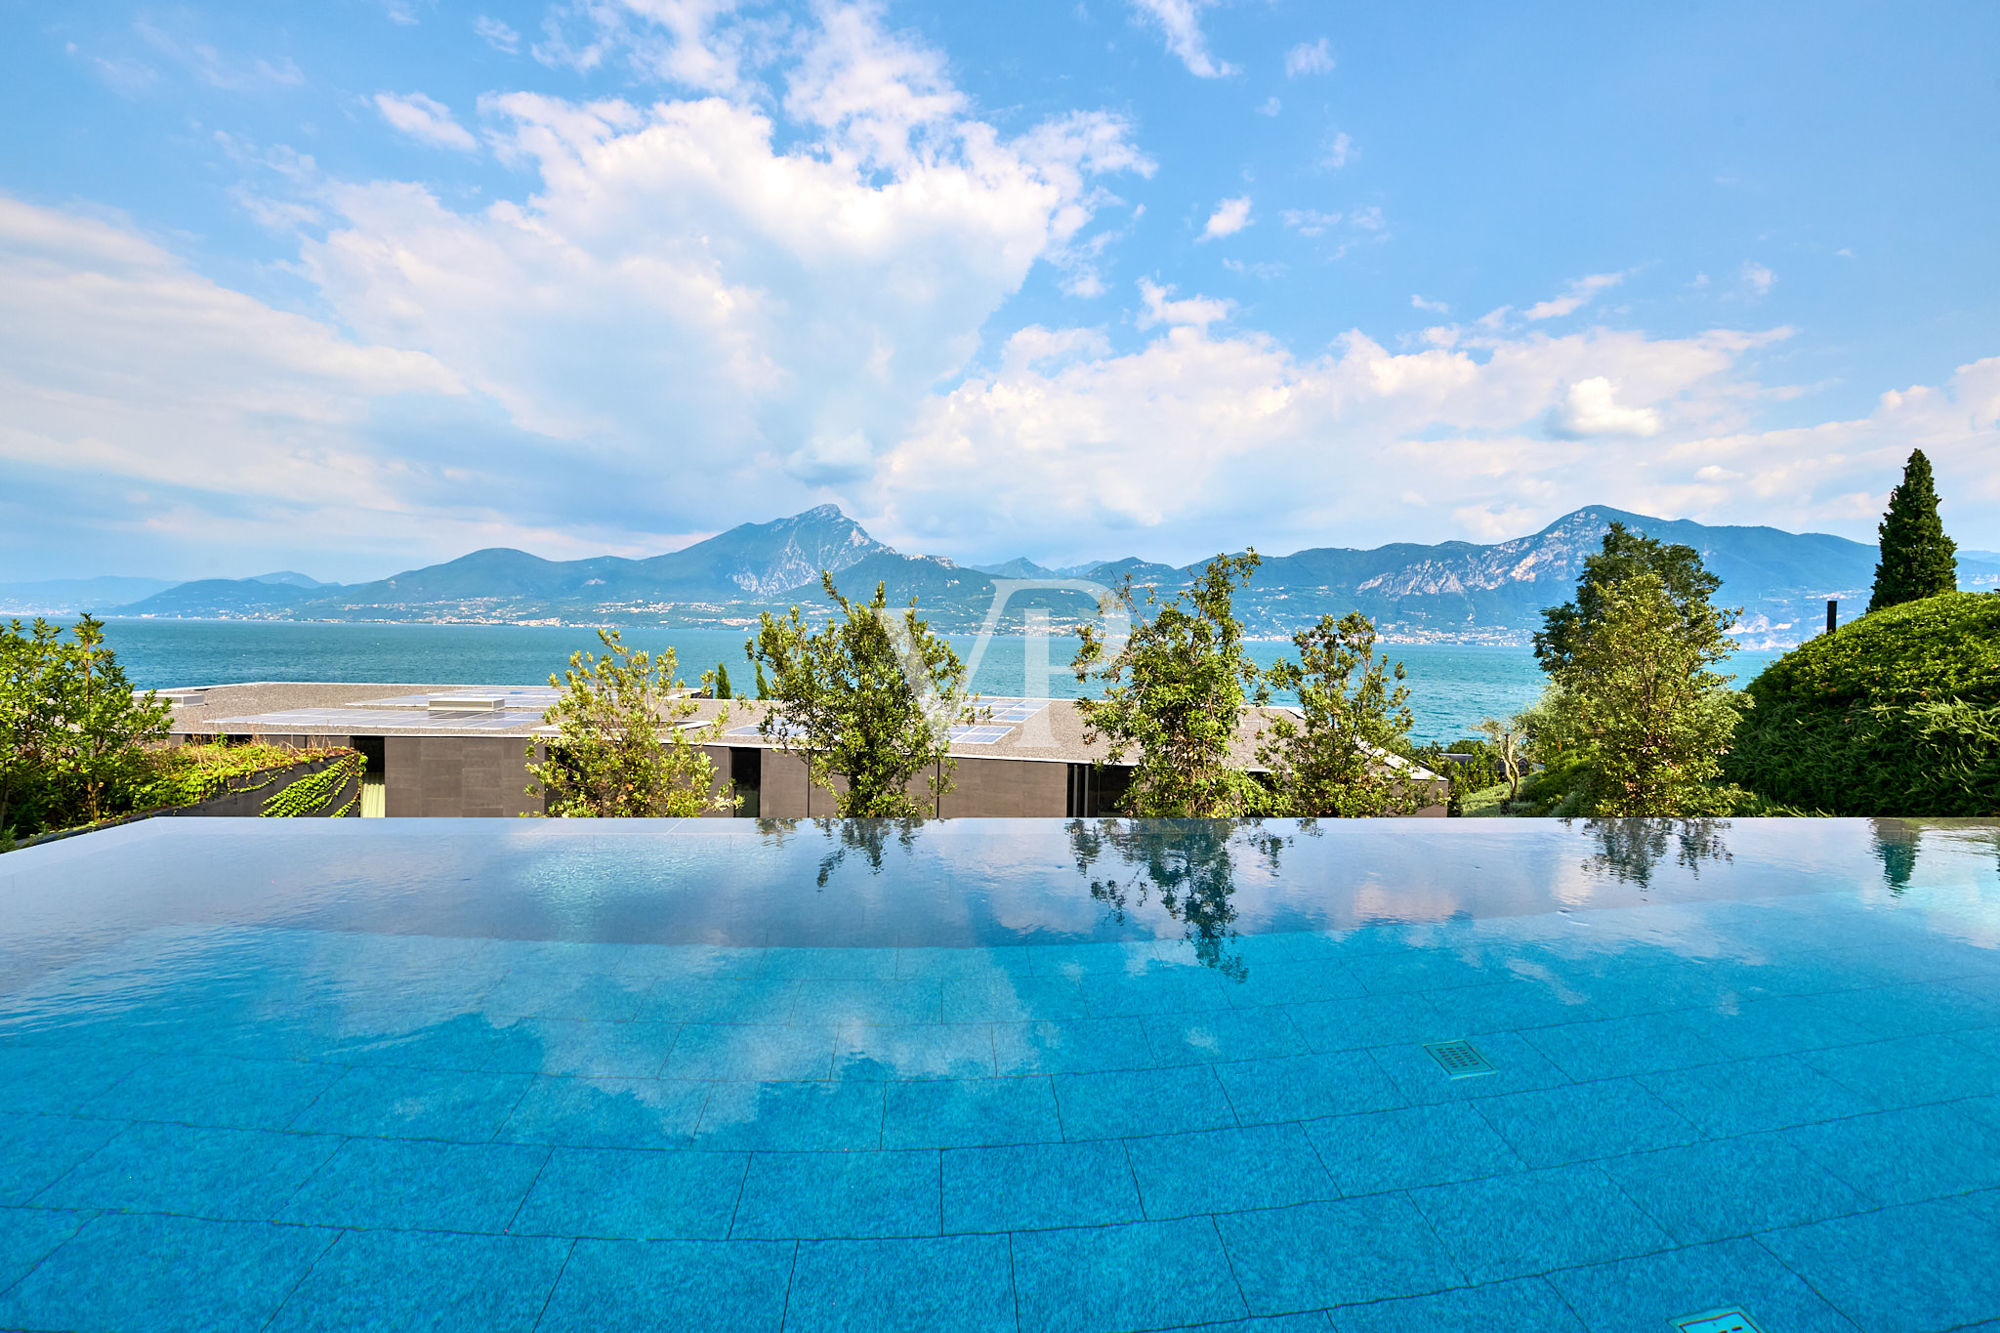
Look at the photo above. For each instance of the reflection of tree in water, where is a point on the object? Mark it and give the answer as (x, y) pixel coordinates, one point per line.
(869, 838)
(1628, 850)
(1896, 845)
(1191, 863)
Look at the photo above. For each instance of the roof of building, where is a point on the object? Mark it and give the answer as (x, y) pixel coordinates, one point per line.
(1048, 730)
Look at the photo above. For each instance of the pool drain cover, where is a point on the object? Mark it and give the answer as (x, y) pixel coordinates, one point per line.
(1461, 1059)
(1716, 1321)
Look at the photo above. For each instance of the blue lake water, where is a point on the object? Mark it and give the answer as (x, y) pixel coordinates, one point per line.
(998, 1075)
(1451, 686)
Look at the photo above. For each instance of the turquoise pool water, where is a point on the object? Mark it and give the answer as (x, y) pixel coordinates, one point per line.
(999, 1075)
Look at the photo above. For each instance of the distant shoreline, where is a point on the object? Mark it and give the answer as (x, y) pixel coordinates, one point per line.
(1497, 639)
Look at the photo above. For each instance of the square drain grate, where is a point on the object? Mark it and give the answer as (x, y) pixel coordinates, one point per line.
(1461, 1059)
(1716, 1321)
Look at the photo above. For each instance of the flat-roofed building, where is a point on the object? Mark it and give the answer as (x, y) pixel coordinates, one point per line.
(457, 751)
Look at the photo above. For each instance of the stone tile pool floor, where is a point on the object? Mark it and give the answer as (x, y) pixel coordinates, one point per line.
(1787, 1106)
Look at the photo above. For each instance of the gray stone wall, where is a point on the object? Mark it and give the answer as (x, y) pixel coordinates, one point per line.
(457, 777)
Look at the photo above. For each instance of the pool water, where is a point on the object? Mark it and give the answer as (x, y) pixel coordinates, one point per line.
(1000, 1075)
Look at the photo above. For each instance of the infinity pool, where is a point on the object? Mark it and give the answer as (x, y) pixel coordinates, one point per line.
(1001, 1075)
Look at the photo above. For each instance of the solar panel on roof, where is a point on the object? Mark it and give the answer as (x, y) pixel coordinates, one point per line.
(1008, 709)
(978, 735)
(780, 732)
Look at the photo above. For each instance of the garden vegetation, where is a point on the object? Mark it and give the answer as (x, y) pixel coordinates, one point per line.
(79, 747)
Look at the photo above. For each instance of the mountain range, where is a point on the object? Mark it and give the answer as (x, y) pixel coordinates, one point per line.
(1451, 591)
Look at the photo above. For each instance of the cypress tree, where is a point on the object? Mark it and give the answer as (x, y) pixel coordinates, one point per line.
(1918, 560)
(722, 681)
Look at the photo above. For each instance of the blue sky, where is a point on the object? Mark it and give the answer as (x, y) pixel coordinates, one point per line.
(356, 286)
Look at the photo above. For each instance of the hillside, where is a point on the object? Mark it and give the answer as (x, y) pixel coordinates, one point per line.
(1451, 591)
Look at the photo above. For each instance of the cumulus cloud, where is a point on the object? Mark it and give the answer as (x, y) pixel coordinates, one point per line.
(1230, 216)
(701, 307)
(1196, 312)
(426, 120)
(1309, 58)
(1337, 151)
(1189, 438)
(1590, 408)
(1179, 21)
(1578, 295)
(1758, 279)
(1270, 106)
(677, 265)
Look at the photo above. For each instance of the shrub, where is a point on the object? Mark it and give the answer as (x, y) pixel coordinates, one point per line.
(1944, 647)
(75, 741)
(1897, 713)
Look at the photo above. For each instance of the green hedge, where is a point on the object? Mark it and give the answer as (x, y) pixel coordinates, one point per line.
(1897, 713)
(1935, 758)
(1945, 647)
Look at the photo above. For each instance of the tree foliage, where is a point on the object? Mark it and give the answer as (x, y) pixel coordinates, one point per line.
(870, 698)
(608, 758)
(76, 744)
(1651, 718)
(1918, 560)
(1345, 755)
(1688, 584)
(1173, 695)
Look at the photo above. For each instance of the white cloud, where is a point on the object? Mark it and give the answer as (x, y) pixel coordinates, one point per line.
(1435, 307)
(1578, 295)
(497, 34)
(686, 42)
(1271, 107)
(1589, 408)
(1309, 222)
(216, 70)
(124, 76)
(676, 265)
(731, 306)
(1337, 152)
(1179, 447)
(1758, 279)
(425, 120)
(1230, 216)
(1309, 58)
(1363, 226)
(1196, 312)
(122, 366)
(1180, 22)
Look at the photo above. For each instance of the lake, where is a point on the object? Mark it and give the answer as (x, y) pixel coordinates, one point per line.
(1452, 686)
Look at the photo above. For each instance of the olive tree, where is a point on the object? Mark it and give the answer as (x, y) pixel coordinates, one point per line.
(620, 750)
(1172, 697)
(869, 698)
(1344, 755)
